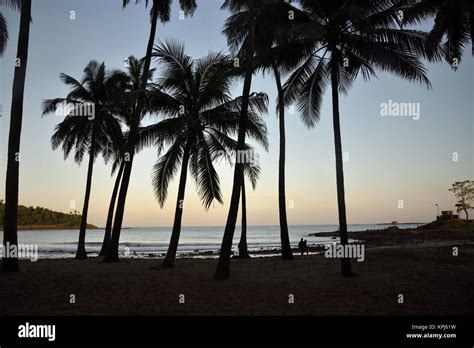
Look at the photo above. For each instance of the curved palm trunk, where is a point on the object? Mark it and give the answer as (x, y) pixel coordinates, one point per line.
(10, 234)
(111, 255)
(223, 265)
(341, 203)
(81, 246)
(110, 215)
(243, 249)
(286, 252)
(173, 247)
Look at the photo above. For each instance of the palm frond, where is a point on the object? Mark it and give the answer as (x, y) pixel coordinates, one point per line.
(3, 34)
(388, 57)
(306, 87)
(252, 171)
(13, 4)
(165, 169)
(162, 133)
(205, 175)
(176, 66)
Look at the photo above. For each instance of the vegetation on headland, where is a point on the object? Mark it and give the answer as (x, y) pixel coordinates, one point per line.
(464, 192)
(38, 218)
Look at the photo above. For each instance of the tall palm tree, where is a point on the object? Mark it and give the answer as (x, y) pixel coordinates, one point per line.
(160, 9)
(246, 62)
(124, 110)
(200, 117)
(110, 212)
(453, 24)
(253, 172)
(113, 151)
(251, 31)
(275, 53)
(10, 225)
(100, 91)
(349, 37)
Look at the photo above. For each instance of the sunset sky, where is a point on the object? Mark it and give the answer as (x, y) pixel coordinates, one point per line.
(389, 158)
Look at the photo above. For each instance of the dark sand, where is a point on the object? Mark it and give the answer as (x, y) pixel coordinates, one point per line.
(430, 278)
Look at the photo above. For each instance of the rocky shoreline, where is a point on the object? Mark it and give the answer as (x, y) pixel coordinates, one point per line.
(435, 231)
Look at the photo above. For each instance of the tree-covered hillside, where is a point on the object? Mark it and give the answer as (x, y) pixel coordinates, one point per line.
(38, 216)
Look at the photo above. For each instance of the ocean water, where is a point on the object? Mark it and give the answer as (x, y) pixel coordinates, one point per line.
(153, 241)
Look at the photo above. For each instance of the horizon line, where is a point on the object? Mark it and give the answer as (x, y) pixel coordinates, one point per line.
(276, 225)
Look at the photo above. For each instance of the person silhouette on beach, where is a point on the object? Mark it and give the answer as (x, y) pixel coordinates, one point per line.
(301, 246)
(305, 247)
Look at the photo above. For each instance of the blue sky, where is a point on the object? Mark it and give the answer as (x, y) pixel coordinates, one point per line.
(389, 158)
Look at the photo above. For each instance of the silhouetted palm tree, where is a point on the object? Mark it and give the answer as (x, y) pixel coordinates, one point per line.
(453, 24)
(113, 151)
(110, 212)
(89, 124)
(160, 9)
(252, 31)
(200, 118)
(275, 53)
(10, 225)
(253, 172)
(246, 63)
(124, 110)
(350, 37)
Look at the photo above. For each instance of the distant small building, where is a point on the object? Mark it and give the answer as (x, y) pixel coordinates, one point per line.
(448, 215)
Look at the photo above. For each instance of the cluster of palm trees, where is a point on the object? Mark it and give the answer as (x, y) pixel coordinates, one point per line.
(314, 44)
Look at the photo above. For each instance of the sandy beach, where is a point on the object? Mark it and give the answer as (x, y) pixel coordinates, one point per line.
(430, 278)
